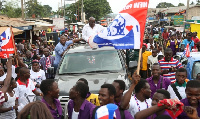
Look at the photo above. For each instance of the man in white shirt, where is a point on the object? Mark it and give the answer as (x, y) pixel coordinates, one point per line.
(151, 60)
(91, 29)
(141, 100)
(177, 90)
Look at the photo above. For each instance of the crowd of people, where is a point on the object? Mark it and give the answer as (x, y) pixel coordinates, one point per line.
(28, 90)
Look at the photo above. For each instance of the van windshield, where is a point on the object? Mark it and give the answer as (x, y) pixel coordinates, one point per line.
(91, 62)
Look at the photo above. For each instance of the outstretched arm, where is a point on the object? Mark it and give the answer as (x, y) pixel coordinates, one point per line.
(148, 112)
(124, 104)
(8, 76)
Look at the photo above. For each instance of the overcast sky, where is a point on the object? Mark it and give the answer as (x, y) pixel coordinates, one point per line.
(116, 5)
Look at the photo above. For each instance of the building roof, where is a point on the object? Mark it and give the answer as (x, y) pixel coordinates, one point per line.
(152, 11)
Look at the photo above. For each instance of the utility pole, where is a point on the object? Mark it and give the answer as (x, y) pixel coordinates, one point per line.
(22, 8)
(82, 19)
(64, 10)
(188, 3)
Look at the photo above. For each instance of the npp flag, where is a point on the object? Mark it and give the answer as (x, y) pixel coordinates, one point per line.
(127, 29)
(187, 51)
(6, 43)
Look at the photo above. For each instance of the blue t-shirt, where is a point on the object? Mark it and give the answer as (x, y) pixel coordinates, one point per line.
(191, 43)
(59, 49)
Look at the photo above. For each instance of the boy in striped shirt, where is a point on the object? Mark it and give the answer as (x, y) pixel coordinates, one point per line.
(169, 65)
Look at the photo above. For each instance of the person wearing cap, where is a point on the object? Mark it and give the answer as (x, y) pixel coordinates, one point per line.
(188, 41)
(145, 54)
(37, 75)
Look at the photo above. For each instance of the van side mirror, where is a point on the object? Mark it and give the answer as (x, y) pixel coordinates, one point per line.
(133, 64)
(50, 70)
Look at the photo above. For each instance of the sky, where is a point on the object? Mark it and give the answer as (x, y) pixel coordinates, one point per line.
(116, 5)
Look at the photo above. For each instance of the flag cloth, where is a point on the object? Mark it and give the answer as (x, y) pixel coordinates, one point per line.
(127, 29)
(187, 51)
(6, 43)
(103, 113)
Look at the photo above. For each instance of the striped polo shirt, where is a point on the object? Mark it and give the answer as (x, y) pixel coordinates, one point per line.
(165, 65)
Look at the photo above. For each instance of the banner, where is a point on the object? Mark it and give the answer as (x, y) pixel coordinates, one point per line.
(6, 43)
(127, 29)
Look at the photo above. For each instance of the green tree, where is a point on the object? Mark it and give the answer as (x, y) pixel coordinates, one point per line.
(181, 4)
(192, 3)
(11, 9)
(94, 8)
(34, 8)
(164, 5)
(198, 2)
(47, 10)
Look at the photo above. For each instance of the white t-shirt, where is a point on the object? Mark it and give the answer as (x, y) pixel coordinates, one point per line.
(24, 93)
(75, 114)
(151, 60)
(37, 77)
(134, 108)
(181, 91)
(2, 78)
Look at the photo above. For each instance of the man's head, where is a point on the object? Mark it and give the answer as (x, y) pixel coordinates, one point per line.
(189, 36)
(194, 34)
(173, 36)
(83, 80)
(181, 75)
(106, 94)
(24, 73)
(168, 54)
(50, 87)
(28, 54)
(13, 83)
(179, 36)
(193, 92)
(63, 40)
(92, 22)
(46, 52)
(144, 47)
(144, 88)
(154, 52)
(119, 87)
(156, 70)
(79, 90)
(198, 76)
(160, 94)
(35, 66)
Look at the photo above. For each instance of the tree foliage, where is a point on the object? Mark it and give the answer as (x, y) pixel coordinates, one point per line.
(164, 5)
(192, 3)
(35, 8)
(94, 8)
(181, 4)
(11, 9)
(198, 2)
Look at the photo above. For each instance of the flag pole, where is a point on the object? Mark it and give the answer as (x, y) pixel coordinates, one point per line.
(138, 66)
(12, 35)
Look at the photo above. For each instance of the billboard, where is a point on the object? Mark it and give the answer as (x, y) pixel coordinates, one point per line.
(178, 19)
(59, 23)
